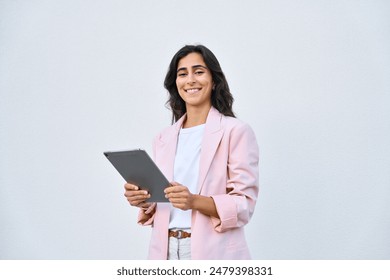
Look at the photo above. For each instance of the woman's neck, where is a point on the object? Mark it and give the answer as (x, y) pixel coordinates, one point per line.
(196, 116)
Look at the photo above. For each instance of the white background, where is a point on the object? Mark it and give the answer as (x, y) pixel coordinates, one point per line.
(81, 77)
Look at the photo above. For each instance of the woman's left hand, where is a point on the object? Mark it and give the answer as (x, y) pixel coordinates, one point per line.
(179, 196)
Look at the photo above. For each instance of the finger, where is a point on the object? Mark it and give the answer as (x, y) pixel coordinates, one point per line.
(134, 196)
(181, 206)
(148, 207)
(178, 194)
(175, 189)
(137, 198)
(175, 200)
(131, 187)
(145, 204)
(133, 193)
(171, 186)
(136, 201)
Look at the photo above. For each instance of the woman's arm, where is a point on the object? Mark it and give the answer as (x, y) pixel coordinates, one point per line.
(137, 197)
(237, 205)
(182, 198)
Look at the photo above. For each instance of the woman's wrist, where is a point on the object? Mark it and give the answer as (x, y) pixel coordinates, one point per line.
(148, 208)
(195, 201)
(205, 205)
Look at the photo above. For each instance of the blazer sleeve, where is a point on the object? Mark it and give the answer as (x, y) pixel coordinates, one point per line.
(236, 207)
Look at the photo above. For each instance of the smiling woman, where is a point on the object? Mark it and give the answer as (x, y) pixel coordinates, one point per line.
(194, 83)
(211, 159)
(221, 98)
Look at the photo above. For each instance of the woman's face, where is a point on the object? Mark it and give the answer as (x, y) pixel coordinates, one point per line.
(194, 82)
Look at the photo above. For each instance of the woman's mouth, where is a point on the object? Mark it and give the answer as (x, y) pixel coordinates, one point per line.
(192, 90)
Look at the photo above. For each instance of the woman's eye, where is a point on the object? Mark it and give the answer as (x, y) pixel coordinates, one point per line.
(181, 74)
(199, 72)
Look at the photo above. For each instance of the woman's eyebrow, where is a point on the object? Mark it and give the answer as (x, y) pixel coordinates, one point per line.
(199, 66)
(193, 67)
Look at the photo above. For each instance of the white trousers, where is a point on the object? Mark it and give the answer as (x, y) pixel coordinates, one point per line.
(179, 248)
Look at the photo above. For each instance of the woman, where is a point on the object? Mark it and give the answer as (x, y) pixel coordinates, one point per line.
(211, 159)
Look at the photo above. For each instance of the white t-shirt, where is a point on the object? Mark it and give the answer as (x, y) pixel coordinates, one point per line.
(186, 170)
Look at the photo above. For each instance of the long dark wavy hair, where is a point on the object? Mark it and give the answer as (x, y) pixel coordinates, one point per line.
(221, 98)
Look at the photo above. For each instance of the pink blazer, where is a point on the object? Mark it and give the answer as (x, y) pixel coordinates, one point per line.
(228, 173)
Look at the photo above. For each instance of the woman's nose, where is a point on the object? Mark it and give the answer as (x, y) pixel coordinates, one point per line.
(191, 79)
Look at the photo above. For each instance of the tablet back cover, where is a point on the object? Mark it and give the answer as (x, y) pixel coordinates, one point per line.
(137, 168)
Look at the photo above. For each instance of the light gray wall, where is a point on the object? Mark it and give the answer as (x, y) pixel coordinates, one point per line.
(81, 77)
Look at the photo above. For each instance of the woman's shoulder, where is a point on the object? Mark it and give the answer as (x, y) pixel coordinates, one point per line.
(232, 123)
(168, 130)
(227, 122)
(239, 132)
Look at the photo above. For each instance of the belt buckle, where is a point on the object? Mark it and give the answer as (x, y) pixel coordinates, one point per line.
(179, 234)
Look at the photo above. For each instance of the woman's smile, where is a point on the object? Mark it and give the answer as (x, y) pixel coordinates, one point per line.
(194, 82)
(193, 90)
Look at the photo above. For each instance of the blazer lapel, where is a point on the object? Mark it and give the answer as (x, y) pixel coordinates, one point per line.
(168, 143)
(167, 149)
(212, 137)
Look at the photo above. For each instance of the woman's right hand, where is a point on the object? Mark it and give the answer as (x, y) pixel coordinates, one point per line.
(136, 197)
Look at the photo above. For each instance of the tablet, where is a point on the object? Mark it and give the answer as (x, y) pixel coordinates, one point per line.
(137, 168)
